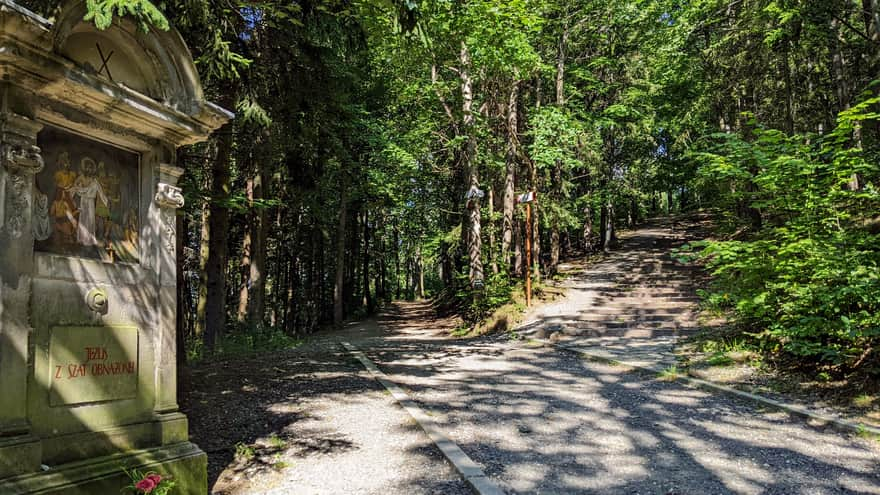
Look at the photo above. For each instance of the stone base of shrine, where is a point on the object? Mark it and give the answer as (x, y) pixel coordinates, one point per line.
(184, 462)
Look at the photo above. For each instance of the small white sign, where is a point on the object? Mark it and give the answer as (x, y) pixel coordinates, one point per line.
(475, 192)
(526, 198)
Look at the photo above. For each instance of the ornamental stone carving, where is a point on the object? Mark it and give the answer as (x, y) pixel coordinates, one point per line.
(18, 149)
(98, 301)
(20, 160)
(42, 225)
(19, 185)
(168, 196)
(170, 229)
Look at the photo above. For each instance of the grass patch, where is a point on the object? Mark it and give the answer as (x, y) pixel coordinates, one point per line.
(719, 359)
(863, 432)
(670, 374)
(279, 464)
(277, 442)
(244, 451)
(864, 401)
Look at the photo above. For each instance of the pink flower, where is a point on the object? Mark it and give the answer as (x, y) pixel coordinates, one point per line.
(155, 477)
(146, 485)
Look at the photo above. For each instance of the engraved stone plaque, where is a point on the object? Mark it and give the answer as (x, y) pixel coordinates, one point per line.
(92, 364)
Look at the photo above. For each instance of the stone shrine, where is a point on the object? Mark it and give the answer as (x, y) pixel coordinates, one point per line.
(90, 122)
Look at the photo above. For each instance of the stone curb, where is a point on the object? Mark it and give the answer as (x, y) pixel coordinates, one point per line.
(795, 410)
(468, 469)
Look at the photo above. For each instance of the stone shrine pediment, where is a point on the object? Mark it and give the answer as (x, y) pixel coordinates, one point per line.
(139, 78)
(151, 61)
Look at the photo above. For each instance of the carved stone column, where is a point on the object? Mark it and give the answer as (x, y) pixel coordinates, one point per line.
(167, 200)
(19, 160)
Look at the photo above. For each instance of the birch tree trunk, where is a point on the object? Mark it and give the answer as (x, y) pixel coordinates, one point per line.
(509, 198)
(472, 182)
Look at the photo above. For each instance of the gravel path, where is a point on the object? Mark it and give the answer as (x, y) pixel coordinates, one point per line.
(634, 303)
(539, 420)
(544, 421)
(309, 421)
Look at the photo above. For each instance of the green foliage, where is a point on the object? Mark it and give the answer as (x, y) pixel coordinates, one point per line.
(669, 374)
(244, 451)
(477, 304)
(101, 12)
(250, 112)
(219, 61)
(808, 282)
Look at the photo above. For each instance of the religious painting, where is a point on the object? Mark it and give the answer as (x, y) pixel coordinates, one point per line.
(89, 196)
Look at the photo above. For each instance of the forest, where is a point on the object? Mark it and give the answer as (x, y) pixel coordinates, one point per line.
(379, 147)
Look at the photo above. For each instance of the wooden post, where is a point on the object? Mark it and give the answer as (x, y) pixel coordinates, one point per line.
(528, 263)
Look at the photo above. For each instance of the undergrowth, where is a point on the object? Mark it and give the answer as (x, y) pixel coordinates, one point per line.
(801, 278)
(243, 340)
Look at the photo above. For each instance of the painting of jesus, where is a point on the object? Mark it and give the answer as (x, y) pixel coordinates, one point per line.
(94, 190)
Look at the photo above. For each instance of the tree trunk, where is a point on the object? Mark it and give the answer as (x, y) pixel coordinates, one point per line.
(215, 306)
(352, 262)
(204, 249)
(510, 174)
(557, 167)
(588, 229)
(338, 288)
(871, 15)
(493, 259)
(421, 270)
(518, 251)
(246, 248)
(785, 65)
(256, 308)
(472, 181)
(365, 271)
(536, 231)
(838, 64)
(397, 294)
(610, 234)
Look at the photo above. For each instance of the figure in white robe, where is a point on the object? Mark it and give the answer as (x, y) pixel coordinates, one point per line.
(89, 191)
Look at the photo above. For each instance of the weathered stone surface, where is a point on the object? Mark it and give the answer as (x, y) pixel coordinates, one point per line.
(19, 454)
(184, 462)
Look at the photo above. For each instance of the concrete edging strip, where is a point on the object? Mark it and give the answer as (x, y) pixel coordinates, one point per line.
(799, 411)
(469, 470)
